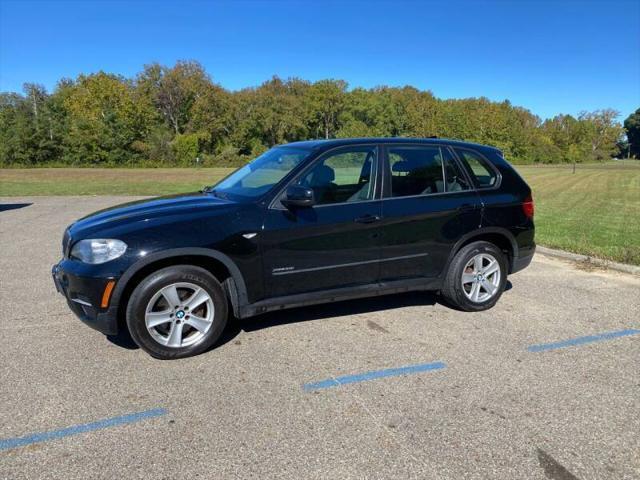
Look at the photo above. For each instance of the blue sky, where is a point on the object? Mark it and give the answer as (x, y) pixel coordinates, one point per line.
(548, 56)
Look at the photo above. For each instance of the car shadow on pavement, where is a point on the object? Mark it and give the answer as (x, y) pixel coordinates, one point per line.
(123, 339)
(343, 308)
(13, 206)
(338, 309)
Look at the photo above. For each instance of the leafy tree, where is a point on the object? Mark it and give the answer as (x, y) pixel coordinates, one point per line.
(15, 130)
(326, 100)
(30, 127)
(422, 113)
(276, 111)
(105, 119)
(174, 90)
(171, 115)
(632, 128)
(187, 148)
(602, 132)
(211, 116)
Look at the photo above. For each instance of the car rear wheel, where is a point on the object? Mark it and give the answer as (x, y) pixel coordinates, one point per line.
(476, 278)
(177, 312)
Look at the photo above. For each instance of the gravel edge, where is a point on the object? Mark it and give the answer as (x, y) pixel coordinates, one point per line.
(620, 267)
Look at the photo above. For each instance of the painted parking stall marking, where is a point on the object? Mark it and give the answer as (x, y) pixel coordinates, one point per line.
(9, 443)
(573, 342)
(374, 375)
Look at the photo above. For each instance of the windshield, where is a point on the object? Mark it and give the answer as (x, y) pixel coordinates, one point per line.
(258, 176)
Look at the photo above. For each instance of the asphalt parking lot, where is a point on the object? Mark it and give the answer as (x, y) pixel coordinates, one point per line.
(545, 385)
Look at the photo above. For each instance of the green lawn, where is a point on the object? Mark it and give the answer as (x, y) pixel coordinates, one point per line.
(595, 211)
(106, 181)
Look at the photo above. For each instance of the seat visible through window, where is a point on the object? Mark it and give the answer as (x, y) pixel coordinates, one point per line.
(344, 176)
(415, 170)
(321, 181)
(424, 170)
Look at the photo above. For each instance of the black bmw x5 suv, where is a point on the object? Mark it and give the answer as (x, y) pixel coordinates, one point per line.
(307, 222)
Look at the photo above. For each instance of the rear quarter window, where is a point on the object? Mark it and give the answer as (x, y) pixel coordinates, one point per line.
(483, 174)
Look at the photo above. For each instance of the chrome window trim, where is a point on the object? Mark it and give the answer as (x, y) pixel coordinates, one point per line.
(346, 203)
(428, 195)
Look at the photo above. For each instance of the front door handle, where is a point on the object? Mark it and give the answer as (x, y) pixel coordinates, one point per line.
(466, 207)
(367, 219)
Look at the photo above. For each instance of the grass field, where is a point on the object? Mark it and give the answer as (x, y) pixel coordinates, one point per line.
(595, 211)
(106, 181)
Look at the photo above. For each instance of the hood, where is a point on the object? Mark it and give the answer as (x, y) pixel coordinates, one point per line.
(140, 212)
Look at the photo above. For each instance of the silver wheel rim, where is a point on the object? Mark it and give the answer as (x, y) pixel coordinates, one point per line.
(481, 278)
(179, 315)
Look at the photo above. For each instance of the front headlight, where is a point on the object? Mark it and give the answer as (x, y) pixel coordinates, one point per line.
(98, 250)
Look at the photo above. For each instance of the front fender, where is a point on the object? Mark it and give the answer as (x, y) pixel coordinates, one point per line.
(239, 287)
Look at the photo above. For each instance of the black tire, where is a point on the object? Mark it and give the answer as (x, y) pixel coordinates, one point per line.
(452, 289)
(151, 285)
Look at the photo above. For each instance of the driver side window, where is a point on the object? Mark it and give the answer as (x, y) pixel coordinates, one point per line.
(348, 175)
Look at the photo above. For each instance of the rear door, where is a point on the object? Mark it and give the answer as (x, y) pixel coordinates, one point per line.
(335, 243)
(428, 204)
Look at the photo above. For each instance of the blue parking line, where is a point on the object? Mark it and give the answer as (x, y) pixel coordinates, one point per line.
(363, 377)
(543, 347)
(10, 443)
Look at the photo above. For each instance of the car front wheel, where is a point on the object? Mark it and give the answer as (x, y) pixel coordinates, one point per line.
(177, 312)
(476, 278)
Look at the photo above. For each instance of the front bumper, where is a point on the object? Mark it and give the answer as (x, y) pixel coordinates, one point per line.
(84, 297)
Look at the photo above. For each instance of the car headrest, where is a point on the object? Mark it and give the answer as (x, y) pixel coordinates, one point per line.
(322, 175)
(402, 166)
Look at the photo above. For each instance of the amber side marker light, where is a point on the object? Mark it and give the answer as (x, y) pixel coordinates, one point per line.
(106, 296)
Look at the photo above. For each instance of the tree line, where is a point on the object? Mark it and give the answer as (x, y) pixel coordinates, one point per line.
(176, 116)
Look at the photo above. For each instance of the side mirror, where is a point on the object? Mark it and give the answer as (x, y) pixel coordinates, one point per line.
(298, 196)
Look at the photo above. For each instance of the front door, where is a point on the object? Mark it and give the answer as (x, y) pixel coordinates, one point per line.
(334, 243)
(429, 204)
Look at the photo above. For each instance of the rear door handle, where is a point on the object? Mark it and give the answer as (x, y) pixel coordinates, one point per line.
(367, 219)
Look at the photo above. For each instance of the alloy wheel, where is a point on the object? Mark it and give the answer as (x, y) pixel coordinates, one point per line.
(179, 315)
(481, 278)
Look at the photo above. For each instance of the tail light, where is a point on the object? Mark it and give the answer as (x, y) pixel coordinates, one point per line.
(528, 207)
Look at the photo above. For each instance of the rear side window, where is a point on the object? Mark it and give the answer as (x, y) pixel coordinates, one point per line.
(423, 171)
(477, 166)
(455, 180)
